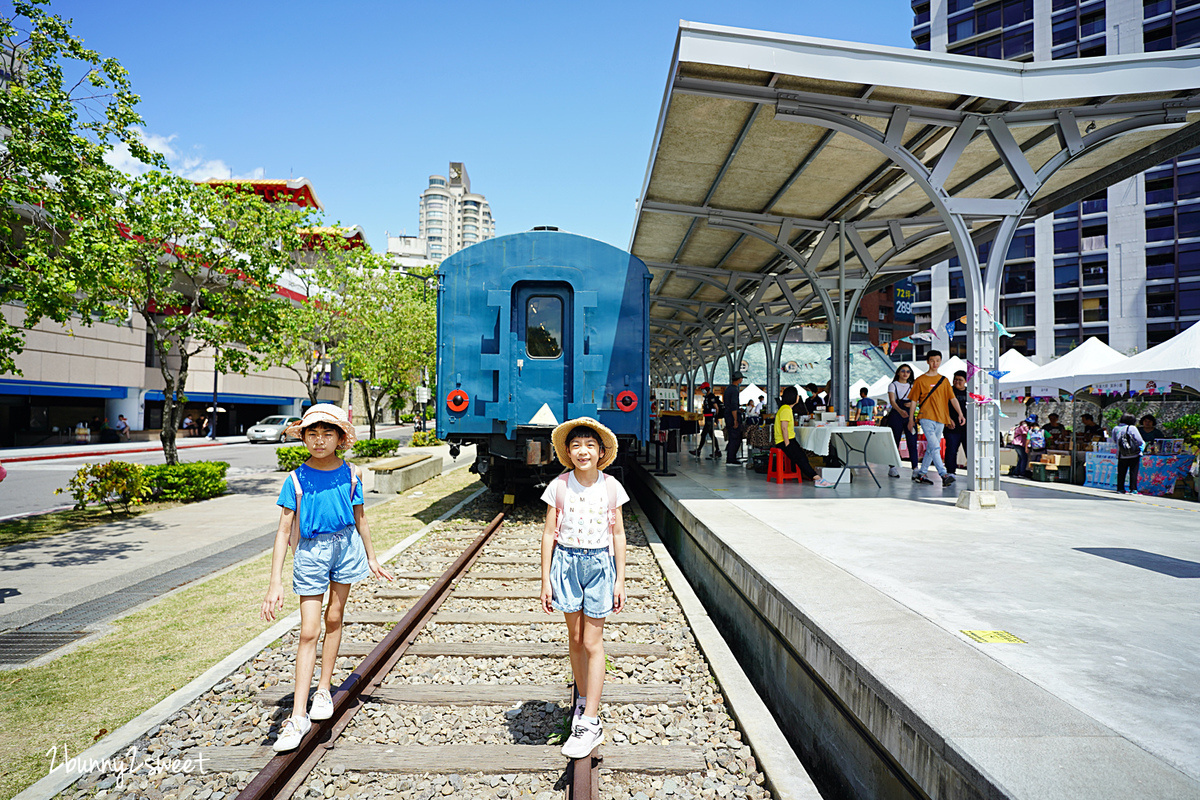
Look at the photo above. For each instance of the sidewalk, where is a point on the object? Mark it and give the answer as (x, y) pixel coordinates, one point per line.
(18, 454)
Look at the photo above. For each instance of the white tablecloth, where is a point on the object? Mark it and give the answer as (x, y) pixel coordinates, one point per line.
(878, 441)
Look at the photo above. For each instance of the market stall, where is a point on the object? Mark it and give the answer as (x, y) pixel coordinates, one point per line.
(1157, 472)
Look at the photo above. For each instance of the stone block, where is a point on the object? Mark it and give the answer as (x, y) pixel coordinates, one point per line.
(405, 478)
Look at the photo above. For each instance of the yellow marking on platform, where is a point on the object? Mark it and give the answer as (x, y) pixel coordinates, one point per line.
(994, 637)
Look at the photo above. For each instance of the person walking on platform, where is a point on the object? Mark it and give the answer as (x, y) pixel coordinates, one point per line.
(1020, 443)
(956, 435)
(321, 516)
(733, 421)
(785, 438)
(1130, 444)
(897, 416)
(711, 409)
(935, 403)
(583, 563)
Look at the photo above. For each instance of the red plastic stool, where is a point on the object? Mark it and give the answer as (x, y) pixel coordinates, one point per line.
(781, 468)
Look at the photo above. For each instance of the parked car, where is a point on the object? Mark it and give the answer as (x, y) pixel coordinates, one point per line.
(271, 429)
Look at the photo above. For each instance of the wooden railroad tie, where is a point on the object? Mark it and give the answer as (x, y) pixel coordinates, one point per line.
(507, 650)
(489, 694)
(528, 593)
(493, 618)
(516, 577)
(460, 758)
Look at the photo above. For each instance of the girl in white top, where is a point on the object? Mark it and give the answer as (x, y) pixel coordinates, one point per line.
(583, 563)
(897, 417)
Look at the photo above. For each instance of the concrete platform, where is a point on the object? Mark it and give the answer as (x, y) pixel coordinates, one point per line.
(858, 597)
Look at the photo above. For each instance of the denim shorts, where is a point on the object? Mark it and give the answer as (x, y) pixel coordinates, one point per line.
(582, 580)
(338, 557)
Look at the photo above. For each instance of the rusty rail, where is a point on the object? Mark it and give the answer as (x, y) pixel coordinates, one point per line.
(284, 773)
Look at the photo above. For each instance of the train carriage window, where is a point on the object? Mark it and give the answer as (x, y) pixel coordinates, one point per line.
(543, 327)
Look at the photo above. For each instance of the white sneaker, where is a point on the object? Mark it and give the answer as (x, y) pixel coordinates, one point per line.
(584, 739)
(292, 732)
(893, 472)
(821, 483)
(322, 705)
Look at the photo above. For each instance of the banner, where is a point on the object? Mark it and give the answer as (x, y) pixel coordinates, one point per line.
(905, 296)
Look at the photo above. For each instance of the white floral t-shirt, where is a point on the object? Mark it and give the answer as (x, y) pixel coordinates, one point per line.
(584, 520)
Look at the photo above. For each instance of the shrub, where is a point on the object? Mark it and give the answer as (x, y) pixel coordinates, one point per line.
(113, 483)
(288, 458)
(187, 483)
(425, 439)
(1186, 427)
(407, 417)
(375, 448)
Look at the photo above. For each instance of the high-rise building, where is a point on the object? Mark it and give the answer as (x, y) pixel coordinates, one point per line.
(1123, 265)
(452, 217)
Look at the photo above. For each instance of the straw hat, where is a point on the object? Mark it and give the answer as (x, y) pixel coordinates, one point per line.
(607, 438)
(328, 413)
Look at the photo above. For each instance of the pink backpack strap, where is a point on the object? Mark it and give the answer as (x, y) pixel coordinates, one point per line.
(611, 485)
(560, 501)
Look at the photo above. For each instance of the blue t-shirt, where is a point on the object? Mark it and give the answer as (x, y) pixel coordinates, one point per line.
(326, 505)
(866, 405)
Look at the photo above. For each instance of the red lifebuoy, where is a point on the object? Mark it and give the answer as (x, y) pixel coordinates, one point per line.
(627, 401)
(457, 401)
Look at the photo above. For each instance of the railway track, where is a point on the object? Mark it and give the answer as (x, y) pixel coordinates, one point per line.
(451, 682)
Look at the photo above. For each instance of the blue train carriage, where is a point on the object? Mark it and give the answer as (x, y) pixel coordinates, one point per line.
(533, 329)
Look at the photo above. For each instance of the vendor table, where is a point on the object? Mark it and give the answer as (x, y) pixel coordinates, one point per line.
(1156, 474)
(686, 422)
(871, 444)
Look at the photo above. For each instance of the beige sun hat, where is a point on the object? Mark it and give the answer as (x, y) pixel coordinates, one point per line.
(324, 412)
(607, 438)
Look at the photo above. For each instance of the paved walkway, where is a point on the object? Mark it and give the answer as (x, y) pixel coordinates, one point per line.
(1102, 589)
(76, 581)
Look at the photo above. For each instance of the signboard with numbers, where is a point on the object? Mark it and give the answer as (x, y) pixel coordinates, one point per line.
(905, 295)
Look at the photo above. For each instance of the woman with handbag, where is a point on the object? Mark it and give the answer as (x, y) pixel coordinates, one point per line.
(897, 416)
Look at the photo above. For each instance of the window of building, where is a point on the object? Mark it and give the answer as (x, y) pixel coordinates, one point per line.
(1061, 5)
(1017, 11)
(1189, 222)
(1066, 273)
(1095, 270)
(436, 182)
(151, 352)
(958, 289)
(1018, 43)
(1160, 190)
(1189, 260)
(1152, 8)
(920, 14)
(435, 214)
(961, 30)
(1091, 24)
(1157, 36)
(1066, 311)
(470, 228)
(1096, 204)
(1095, 309)
(924, 293)
(1063, 29)
(884, 313)
(1095, 237)
(1018, 278)
(1018, 315)
(1189, 299)
(1160, 224)
(1065, 344)
(1160, 264)
(1187, 28)
(1066, 238)
(1189, 182)
(434, 231)
(1160, 303)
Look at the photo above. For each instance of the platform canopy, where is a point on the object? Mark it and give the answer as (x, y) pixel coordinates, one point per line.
(788, 176)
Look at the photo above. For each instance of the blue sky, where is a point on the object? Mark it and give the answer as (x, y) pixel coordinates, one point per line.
(552, 106)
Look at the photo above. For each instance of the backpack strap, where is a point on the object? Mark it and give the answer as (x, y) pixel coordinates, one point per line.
(611, 485)
(560, 502)
(294, 538)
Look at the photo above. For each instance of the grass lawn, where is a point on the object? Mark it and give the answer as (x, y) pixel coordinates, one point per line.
(40, 526)
(150, 653)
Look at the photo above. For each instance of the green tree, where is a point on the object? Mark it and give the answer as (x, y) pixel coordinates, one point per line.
(198, 263)
(62, 107)
(388, 339)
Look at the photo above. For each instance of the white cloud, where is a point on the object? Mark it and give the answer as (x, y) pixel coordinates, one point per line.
(193, 167)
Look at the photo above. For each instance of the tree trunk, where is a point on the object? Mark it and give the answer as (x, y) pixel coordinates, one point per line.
(173, 390)
(371, 403)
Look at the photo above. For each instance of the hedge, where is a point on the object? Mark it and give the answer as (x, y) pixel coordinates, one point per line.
(198, 480)
(288, 458)
(425, 439)
(375, 448)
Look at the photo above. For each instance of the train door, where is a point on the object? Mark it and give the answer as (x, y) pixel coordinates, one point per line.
(541, 363)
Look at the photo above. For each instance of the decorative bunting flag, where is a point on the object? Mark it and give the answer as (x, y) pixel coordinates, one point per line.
(963, 319)
(929, 331)
(972, 370)
(1000, 328)
(907, 339)
(892, 346)
(989, 313)
(950, 330)
(923, 336)
(997, 373)
(868, 355)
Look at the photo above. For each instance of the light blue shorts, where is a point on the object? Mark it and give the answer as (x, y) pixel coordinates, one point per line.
(582, 580)
(338, 557)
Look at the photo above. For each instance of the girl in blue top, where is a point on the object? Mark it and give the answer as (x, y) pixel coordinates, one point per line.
(332, 550)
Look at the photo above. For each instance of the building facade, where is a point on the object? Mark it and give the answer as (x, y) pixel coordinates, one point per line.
(83, 373)
(451, 216)
(1123, 265)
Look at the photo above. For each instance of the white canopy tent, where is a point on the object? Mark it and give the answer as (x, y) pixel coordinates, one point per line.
(1015, 363)
(749, 393)
(1066, 373)
(1176, 360)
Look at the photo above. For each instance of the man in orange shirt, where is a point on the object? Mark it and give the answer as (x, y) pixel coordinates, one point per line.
(934, 396)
